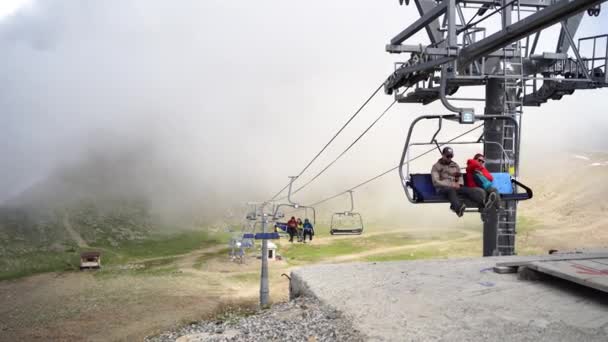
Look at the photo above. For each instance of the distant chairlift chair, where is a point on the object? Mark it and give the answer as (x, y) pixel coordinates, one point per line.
(346, 222)
(282, 226)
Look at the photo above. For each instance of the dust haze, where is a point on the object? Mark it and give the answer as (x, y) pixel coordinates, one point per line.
(199, 106)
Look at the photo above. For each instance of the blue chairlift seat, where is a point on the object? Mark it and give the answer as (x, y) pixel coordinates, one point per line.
(248, 236)
(425, 192)
(281, 225)
(267, 236)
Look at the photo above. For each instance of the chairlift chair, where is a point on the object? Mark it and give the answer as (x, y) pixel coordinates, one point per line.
(291, 204)
(354, 221)
(419, 187)
(252, 211)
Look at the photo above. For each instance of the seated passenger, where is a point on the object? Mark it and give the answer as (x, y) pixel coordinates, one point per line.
(478, 176)
(292, 226)
(299, 229)
(308, 230)
(446, 179)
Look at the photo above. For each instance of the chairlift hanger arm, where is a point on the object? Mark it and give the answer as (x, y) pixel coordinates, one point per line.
(443, 88)
(293, 178)
(439, 126)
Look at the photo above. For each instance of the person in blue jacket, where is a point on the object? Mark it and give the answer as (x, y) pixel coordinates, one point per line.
(308, 230)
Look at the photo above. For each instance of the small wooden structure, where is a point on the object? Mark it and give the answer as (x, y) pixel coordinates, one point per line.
(91, 259)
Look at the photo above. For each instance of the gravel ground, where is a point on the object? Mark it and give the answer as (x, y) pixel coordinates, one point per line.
(455, 300)
(302, 319)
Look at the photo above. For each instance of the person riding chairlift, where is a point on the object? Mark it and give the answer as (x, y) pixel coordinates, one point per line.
(478, 176)
(445, 175)
(308, 230)
(299, 229)
(292, 227)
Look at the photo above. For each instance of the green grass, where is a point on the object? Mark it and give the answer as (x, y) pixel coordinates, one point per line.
(468, 248)
(299, 253)
(310, 253)
(16, 266)
(306, 253)
(205, 257)
(159, 246)
(157, 267)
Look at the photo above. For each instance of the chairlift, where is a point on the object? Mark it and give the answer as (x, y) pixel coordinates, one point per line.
(282, 226)
(419, 187)
(252, 211)
(239, 242)
(346, 222)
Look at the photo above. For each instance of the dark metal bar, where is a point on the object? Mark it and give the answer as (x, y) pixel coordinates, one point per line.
(421, 48)
(486, 17)
(593, 37)
(451, 18)
(434, 51)
(464, 99)
(522, 3)
(420, 23)
(432, 29)
(538, 21)
(572, 25)
(533, 49)
(593, 60)
(606, 62)
(576, 53)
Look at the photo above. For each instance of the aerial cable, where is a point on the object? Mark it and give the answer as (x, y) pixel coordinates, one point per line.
(392, 169)
(333, 138)
(347, 149)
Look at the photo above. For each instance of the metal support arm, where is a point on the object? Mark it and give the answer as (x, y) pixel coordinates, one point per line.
(535, 22)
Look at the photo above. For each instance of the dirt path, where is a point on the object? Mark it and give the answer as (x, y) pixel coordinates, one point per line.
(73, 234)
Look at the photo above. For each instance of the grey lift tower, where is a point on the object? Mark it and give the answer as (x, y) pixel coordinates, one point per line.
(506, 62)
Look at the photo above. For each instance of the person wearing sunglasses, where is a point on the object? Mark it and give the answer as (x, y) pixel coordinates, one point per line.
(478, 176)
(446, 179)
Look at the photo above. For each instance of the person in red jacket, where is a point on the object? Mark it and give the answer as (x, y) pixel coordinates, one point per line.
(478, 176)
(292, 226)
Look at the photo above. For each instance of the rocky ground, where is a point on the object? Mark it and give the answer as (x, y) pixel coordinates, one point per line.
(303, 319)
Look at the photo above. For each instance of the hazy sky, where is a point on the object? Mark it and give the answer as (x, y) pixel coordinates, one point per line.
(8, 7)
(234, 95)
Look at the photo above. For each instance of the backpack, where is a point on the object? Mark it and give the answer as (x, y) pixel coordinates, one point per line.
(481, 180)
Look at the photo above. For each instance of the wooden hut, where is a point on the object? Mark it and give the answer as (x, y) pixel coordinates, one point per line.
(90, 259)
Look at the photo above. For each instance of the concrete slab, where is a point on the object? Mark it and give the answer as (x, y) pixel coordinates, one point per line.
(588, 272)
(455, 300)
(520, 261)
